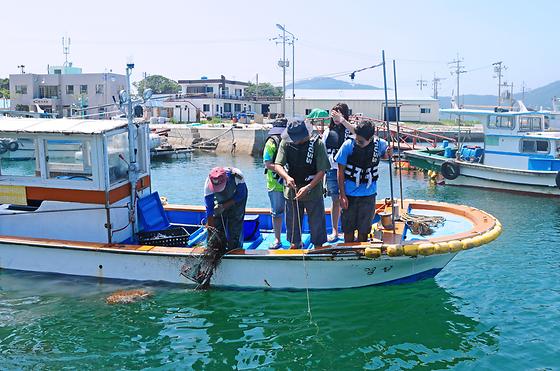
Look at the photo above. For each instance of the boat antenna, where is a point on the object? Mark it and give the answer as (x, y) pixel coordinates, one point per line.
(132, 166)
(398, 114)
(388, 137)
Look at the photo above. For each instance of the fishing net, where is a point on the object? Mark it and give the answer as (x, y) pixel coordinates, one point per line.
(199, 267)
(422, 225)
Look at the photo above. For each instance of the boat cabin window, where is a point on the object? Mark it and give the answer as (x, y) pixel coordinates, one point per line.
(117, 145)
(69, 159)
(530, 124)
(534, 146)
(500, 122)
(18, 157)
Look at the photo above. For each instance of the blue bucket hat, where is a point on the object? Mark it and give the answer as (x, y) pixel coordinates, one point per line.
(297, 130)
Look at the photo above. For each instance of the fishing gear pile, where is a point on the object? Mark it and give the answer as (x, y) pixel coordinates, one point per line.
(422, 224)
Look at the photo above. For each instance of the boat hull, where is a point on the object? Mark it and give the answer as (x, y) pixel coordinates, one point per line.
(482, 176)
(243, 271)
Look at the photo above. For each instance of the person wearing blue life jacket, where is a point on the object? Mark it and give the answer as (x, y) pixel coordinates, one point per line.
(338, 131)
(358, 160)
(225, 197)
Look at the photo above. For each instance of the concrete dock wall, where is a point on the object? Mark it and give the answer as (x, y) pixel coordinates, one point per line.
(243, 139)
(250, 139)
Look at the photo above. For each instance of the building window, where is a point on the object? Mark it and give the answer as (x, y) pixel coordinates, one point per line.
(425, 110)
(83, 89)
(238, 92)
(534, 146)
(101, 112)
(206, 107)
(99, 89)
(70, 89)
(217, 108)
(237, 107)
(209, 89)
(227, 107)
(21, 89)
(250, 110)
(48, 91)
(307, 111)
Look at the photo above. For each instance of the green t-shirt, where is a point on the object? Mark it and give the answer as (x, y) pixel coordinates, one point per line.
(268, 155)
(323, 164)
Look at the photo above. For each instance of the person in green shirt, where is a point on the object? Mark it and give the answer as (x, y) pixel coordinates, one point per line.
(302, 162)
(274, 181)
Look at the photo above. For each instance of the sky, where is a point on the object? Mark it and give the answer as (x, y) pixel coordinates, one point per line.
(190, 39)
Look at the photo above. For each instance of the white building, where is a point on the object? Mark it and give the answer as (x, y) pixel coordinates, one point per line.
(370, 103)
(215, 97)
(66, 91)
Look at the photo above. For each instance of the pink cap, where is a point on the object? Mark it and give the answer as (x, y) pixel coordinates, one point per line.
(218, 179)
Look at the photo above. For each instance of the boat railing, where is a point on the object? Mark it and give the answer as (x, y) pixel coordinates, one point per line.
(409, 136)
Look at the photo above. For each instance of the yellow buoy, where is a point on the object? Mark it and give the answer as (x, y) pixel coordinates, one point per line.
(372, 253)
(410, 250)
(394, 250)
(426, 249)
(441, 248)
(455, 246)
(468, 243)
(480, 240)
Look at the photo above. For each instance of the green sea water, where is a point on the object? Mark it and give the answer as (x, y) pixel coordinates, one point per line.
(492, 308)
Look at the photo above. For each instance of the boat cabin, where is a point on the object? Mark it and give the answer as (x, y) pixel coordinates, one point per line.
(67, 178)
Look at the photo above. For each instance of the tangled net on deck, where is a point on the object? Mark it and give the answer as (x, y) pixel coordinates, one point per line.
(199, 267)
(422, 224)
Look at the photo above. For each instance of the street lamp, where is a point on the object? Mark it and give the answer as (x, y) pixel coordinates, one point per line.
(284, 31)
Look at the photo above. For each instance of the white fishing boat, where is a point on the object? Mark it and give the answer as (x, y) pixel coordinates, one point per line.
(521, 153)
(77, 215)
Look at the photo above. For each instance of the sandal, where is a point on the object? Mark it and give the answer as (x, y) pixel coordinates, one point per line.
(275, 246)
(332, 238)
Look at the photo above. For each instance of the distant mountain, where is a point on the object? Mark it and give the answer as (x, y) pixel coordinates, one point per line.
(330, 83)
(536, 98)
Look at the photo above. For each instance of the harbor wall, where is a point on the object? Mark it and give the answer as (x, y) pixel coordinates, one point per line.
(243, 139)
(250, 139)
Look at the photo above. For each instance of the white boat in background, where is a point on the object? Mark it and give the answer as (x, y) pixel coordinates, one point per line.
(521, 153)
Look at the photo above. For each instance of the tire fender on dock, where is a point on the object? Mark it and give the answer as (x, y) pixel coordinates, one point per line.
(450, 170)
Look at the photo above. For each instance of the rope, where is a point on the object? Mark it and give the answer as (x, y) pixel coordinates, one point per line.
(422, 224)
(304, 265)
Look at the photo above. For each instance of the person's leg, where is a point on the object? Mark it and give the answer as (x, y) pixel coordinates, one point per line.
(293, 227)
(333, 192)
(348, 219)
(277, 203)
(365, 214)
(316, 218)
(235, 216)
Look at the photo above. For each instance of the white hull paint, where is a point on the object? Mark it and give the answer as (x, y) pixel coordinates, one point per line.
(275, 272)
(483, 176)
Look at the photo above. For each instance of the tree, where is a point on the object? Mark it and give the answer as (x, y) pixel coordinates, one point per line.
(159, 84)
(265, 90)
(5, 88)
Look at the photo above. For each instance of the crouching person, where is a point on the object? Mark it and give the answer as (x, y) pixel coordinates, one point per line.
(302, 161)
(358, 160)
(225, 197)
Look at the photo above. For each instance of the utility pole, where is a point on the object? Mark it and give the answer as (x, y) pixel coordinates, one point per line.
(257, 90)
(523, 91)
(435, 85)
(21, 67)
(421, 83)
(458, 70)
(509, 90)
(498, 68)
